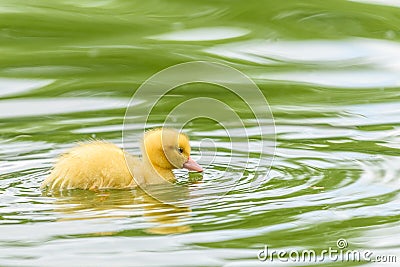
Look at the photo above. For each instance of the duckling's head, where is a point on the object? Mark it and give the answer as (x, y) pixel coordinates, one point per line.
(169, 149)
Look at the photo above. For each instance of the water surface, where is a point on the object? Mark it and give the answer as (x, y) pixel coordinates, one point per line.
(329, 69)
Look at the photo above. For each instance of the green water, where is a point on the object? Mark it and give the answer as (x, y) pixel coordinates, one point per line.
(330, 71)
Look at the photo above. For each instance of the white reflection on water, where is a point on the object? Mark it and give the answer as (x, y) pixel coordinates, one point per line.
(395, 3)
(366, 51)
(48, 106)
(12, 86)
(294, 51)
(343, 79)
(348, 63)
(202, 34)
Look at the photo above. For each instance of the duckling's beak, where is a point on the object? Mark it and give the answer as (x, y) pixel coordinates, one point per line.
(192, 165)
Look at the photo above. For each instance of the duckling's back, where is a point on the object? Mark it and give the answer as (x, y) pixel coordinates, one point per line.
(92, 165)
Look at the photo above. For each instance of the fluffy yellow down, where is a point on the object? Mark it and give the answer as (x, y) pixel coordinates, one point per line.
(92, 165)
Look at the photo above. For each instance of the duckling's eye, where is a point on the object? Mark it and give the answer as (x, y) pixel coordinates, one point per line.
(180, 150)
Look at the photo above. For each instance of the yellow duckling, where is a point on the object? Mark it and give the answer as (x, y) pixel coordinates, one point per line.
(99, 164)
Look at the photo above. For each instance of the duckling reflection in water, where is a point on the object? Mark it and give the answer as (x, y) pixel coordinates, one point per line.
(119, 204)
(98, 164)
